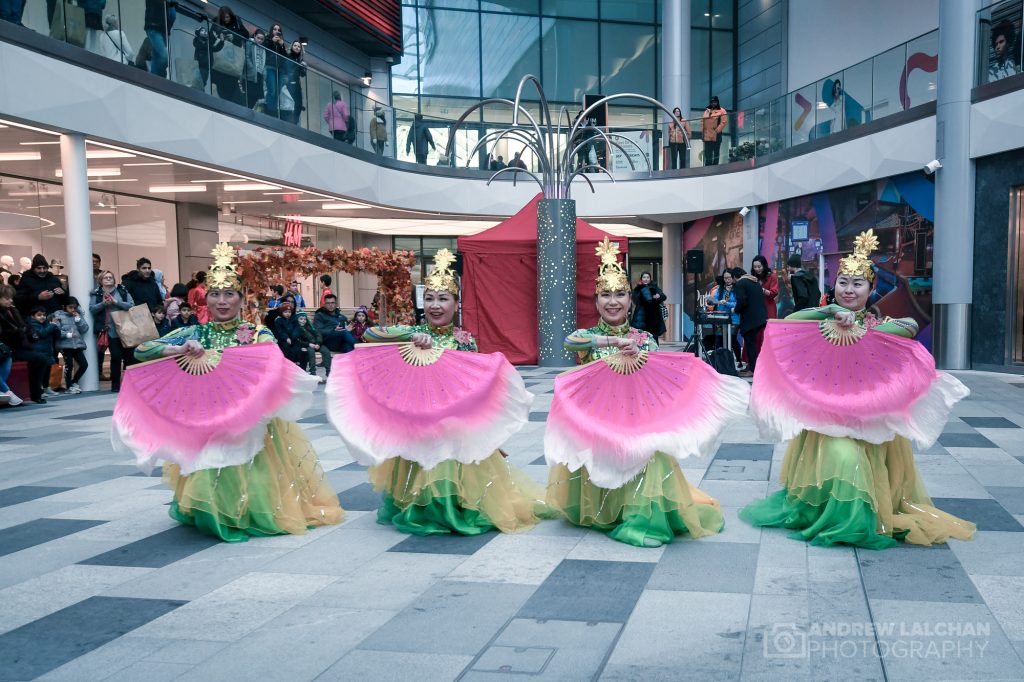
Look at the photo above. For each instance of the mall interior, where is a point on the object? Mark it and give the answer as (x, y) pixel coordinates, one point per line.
(132, 128)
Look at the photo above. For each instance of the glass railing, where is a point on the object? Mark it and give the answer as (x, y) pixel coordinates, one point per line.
(181, 42)
(999, 41)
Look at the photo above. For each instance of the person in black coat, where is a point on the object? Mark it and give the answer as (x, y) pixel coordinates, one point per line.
(141, 284)
(14, 333)
(647, 301)
(227, 30)
(39, 286)
(752, 311)
(290, 338)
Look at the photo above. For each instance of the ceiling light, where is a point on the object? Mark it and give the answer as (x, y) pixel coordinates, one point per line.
(107, 154)
(251, 201)
(151, 163)
(367, 78)
(95, 172)
(172, 189)
(98, 180)
(20, 156)
(104, 211)
(340, 207)
(26, 144)
(246, 186)
(822, 105)
(292, 191)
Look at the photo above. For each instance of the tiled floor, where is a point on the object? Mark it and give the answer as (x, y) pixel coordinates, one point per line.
(97, 583)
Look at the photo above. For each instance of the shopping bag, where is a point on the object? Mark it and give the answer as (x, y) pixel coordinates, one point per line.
(68, 23)
(229, 59)
(134, 326)
(57, 374)
(285, 101)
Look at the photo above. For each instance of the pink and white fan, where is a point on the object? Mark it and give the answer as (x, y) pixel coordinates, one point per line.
(613, 415)
(427, 406)
(858, 383)
(208, 412)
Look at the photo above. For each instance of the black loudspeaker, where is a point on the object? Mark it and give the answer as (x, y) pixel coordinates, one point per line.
(458, 264)
(695, 261)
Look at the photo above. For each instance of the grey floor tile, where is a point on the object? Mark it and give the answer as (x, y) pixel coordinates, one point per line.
(32, 533)
(1011, 497)
(27, 493)
(986, 514)
(990, 422)
(84, 477)
(965, 440)
(540, 461)
(599, 591)
(439, 621)
(697, 566)
(39, 647)
(738, 470)
(915, 573)
(538, 416)
(314, 419)
(157, 550)
(82, 416)
(359, 498)
(446, 543)
(352, 466)
(394, 666)
(757, 451)
(992, 553)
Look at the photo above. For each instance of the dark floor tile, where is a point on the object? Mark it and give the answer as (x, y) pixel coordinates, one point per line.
(707, 567)
(538, 416)
(913, 573)
(26, 493)
(540, 461)
(1012, 498)
(965, 440)
(986, 514)
(592, 591)
(314, 419)
(360, 498)
(156, 551)
(48, 643)
(745, 451)
(38, 531)
(77, 479)
(82, 416)
(990, 422)
(10, 439)
(1016, 385)
(157, 472)
(446, 543)
(352, 466)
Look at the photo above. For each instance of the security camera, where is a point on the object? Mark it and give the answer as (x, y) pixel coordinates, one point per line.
(744, 211)
(932, 166)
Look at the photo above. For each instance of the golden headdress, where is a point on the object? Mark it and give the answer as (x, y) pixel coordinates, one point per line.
(610, 276)
(442, 277)
(223, 274)
(858, 263)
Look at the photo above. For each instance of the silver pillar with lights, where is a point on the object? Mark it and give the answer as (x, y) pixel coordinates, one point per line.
(556, 279)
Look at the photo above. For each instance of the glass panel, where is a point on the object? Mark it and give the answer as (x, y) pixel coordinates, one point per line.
(922, 69)
(700, 69)
(627, 59)
(722, 63)
(453, 4)
(449, 58)
(886, 71)
(570, 59)
(999, 43)
(801, 114)
(628, 10)
(586, 9)
(519, 53)
(186, 55)
(700, 13)
(518, 6)
(404, 76)
(856, 89)
(1016, 293)
(828, 106)
(722, 14)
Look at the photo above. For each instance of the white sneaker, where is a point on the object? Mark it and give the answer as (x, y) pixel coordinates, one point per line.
(49, 392)
(74, 389)
(10, 398)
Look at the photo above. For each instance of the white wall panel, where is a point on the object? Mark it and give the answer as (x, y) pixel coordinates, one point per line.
(997, 124)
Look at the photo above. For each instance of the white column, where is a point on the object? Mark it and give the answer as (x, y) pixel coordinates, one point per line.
(750, 226)
(675, 54)
(672, 275)
(78, 227)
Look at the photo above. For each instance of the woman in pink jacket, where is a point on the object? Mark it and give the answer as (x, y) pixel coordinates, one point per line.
(336, 116)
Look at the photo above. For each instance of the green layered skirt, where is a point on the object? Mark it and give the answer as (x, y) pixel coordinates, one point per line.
(849, 491)
(648, 511)
(282, 490)
(468, 499)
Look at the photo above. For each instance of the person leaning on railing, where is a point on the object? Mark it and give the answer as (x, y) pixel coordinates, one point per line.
(711, 126)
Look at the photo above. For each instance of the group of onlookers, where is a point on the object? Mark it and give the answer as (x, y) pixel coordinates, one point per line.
(713, 123)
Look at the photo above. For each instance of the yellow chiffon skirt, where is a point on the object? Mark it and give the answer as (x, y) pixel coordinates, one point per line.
(282, 490)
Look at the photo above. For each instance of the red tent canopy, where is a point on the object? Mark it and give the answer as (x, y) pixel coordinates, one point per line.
(499, 283)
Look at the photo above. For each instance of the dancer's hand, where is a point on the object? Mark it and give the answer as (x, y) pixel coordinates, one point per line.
(845, 319)
(625, 344)
(422, 341)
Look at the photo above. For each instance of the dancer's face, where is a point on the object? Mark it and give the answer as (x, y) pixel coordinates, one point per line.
(613, 306)
(223, 304)
(439, 307)
(852, 292)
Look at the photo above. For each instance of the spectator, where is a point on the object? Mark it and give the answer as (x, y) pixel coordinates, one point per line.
(114, 43)
(142, 285)
(255, 69)
(360, 323)
(287, 301)
(12, 11)
(295, 291)
(333, 326)
(163, 325)
(326, 281)
(277, 295)
(39, 286)
(72, 327)
(157, 24)
(186, 317)
(712, 124)
(420, 139)
(197, 297)
(753, 314)
(42, 338)
(336, 116)
(228, 36)
(769, 284)
(293, 71)
(724, 299)
(498, 163)
(803, 284)
(201, 54)
(1004, 37)
(97, 268)
(12, 335)
(517, 161)
(378, 129)
(289, 337)
(158, 276)
(647, 302)
(276, 47)
(179, 293)
(679, 134)
(107, 298)
(14, 280)
(314, 342)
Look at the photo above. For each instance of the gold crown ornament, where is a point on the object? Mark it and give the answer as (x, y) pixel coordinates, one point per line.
(442, 277)
(610, 276)
(223, 274)
(858, 263)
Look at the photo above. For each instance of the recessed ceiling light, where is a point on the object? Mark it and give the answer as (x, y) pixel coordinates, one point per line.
(20, 156)
(104, 211)
(151, 163)
(107, 154)
(251, 201)
(246, 186)
(95, 172)
(294, 192)
(99, 180)
(173, 189)
(340, 207)
(26, 144)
